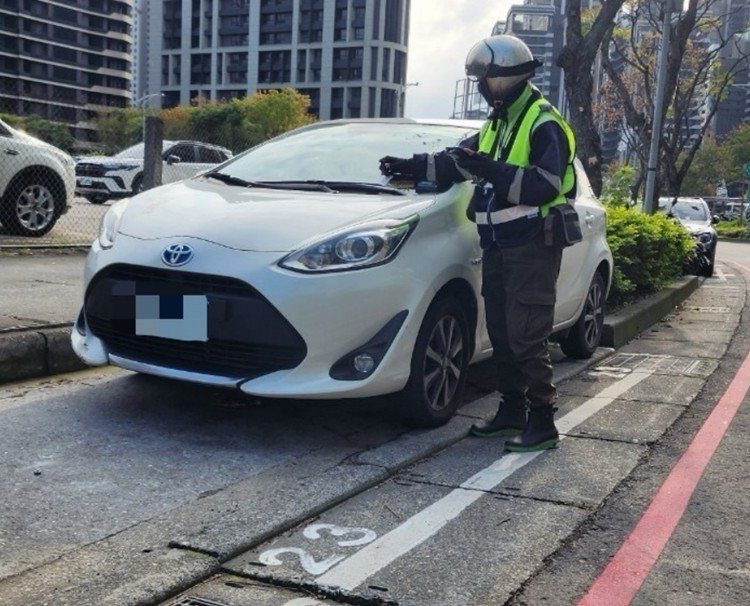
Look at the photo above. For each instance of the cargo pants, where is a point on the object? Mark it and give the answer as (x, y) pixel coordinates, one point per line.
(519, 287)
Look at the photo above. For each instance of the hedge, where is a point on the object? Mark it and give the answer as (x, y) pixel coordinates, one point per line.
(648, 250)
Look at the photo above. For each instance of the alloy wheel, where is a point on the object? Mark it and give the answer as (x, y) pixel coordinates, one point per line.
(593, 314)
(35, 207)
(443, 363)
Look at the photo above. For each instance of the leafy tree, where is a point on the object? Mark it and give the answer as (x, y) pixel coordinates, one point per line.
(709, 167)
(119, 128)
(585, 31)
(698, 76)
(274, 112)
(617, 181)
(176, 122)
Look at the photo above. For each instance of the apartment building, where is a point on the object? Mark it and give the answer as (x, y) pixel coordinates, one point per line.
(349, 56)
(65, 60)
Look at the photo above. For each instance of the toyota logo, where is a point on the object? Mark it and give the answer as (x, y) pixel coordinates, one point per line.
(175, 255)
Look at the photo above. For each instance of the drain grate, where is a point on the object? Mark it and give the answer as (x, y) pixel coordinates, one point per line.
(190, 601)
(707, 309)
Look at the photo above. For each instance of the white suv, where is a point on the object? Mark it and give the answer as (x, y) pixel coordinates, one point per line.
(102, 178)
(37, 182)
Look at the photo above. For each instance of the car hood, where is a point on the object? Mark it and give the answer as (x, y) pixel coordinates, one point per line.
(261, 220)
(697, 227)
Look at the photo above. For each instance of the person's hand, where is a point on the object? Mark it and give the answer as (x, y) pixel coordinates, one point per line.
(397, 167)
(476, 163)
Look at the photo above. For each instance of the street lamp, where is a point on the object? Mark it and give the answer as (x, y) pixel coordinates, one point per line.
(141, 102)
(403, 97)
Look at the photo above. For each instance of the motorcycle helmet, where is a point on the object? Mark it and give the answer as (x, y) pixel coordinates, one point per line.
(498, 64)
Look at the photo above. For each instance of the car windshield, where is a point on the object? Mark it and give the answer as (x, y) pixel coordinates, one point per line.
(136, 151)
(341, 152)
(686, 211)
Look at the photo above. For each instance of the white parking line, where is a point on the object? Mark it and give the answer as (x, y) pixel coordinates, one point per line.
(380, 553)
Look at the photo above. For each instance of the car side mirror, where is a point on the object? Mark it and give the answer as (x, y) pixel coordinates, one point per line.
(715, 219)
(173, 160)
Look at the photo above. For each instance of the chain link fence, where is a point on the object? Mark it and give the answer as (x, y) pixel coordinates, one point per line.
(50, 198)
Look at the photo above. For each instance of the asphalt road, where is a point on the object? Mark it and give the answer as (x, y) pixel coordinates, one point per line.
(100, 465)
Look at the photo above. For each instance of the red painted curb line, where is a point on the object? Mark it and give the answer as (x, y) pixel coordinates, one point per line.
(623, 576)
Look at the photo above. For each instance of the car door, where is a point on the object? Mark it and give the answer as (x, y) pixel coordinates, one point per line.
(180, 162)
(11, 157)
(578, 266)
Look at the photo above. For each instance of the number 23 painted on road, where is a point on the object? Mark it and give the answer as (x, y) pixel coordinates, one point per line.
(270, 557)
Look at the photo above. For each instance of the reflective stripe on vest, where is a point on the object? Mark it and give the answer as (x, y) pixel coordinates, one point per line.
(539, 112)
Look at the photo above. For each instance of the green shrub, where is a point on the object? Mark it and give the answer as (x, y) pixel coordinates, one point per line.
(648, 251)
(732, 229)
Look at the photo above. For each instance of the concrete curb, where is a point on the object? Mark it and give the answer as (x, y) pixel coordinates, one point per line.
(621, 327)
(37, 352)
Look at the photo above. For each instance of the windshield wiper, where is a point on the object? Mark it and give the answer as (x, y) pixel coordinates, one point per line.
(230, 180)
(356, 186)
(301, 185)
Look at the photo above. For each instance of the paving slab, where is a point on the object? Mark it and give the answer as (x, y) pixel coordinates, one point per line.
(676, 332)
(625, 363)
(682, 348)
(511, 536)
(229, 590)
(729, 320)
(630, 421)
(668, 389)
(579, 471)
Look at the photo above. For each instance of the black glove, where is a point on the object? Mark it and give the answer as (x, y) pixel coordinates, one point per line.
(399, 167)
(477, 164)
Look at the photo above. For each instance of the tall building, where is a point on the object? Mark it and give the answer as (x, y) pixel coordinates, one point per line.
(65, 60)
(735, 107)
(349, 56)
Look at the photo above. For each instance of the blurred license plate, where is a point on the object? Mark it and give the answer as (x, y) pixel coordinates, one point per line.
(182, 318)
(85, 181)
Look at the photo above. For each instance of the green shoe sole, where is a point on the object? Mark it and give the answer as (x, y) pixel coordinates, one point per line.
(496, 434)
(546, 445)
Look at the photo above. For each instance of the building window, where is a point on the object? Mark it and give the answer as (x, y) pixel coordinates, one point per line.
(274, 66)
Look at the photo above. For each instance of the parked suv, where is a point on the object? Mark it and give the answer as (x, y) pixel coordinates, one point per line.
(695, 216)
(37, 182)
(101, 178)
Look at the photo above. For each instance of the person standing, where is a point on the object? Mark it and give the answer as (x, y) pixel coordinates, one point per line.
(521, 162)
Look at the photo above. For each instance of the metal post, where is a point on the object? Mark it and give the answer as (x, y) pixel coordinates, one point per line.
(152, 160)
(649, 204)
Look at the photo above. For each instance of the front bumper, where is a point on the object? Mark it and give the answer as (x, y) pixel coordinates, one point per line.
(113, 186)
(332, 315)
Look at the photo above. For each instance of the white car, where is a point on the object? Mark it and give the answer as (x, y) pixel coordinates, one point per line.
(37, 182)
(294, 271)
(102, 178)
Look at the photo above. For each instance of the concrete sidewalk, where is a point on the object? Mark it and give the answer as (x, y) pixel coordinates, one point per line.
(42, 293)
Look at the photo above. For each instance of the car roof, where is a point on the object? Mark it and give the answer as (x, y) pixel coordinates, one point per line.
(211, 145)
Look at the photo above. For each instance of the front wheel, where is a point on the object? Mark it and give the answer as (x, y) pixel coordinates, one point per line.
(438, 368)
(31, 207)
(586, 334)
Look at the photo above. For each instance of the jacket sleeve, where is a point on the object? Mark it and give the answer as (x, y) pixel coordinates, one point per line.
(541, 181)
(446, 173)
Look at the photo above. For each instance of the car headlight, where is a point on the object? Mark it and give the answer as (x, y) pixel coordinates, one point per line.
(704, 237)
(121, 166)
(111, 223)
(365, 246)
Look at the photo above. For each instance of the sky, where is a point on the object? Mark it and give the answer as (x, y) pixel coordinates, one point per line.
(441, 34)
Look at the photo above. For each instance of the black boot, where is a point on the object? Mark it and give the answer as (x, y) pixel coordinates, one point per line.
(540, 432)
(509, 421)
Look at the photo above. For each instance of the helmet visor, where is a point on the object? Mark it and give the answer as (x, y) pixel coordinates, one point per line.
(478, 61)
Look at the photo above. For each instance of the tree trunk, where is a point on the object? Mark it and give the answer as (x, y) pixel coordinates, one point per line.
(578, 87)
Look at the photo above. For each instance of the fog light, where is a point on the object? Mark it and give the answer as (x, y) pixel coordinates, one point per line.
(364, 363)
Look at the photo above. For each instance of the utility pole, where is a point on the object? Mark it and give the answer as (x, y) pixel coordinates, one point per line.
(649, 204)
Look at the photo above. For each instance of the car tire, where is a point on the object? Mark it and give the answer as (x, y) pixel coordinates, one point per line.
(709, 271)
(32, 206)
(586, 334)
(439, 366)
(97, 199)
(135, 188)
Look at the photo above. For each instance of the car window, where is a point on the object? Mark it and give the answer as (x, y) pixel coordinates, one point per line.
(687, 211)
(209, 155)
(4, 132)
(341, 151)
(184, 151)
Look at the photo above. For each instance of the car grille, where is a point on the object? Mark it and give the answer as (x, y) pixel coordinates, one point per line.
(247, 336)
(89, 170)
